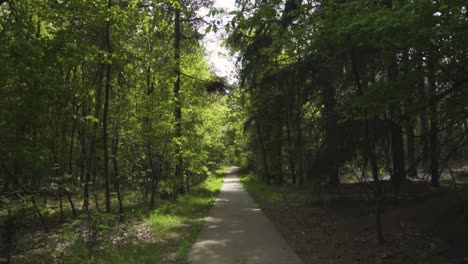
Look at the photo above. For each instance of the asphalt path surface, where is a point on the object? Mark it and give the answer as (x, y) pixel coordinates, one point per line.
(237, 231)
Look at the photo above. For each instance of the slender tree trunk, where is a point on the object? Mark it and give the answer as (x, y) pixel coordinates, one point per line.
(70, 152)
(423, 120)
(331, 136)
(85, 175)
(92, 160)
(157, 176)
(409, 127)
(290, 151)
(298, 148)
(153, 175)
(377, 185)
(105, 116)
(59, 194)
(187, 182)
(398, 157)
(70, 169)
(262, 149)
(410, 143)
(153, 186)
(434, 165)
(39, 214)
(178, 177)
(433, 136)
(61, 207)
(115, 145)
(6, 183)
(72, 205)
(279, 146)
(396, 132)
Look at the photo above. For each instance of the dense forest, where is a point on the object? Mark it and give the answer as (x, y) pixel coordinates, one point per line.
(101, 100)
(367, 92)
(111, 113)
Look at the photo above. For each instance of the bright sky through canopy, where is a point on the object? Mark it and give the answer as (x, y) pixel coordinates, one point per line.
(217, 55)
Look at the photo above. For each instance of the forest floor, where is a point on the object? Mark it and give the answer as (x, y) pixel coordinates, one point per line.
(164, 235)
(426, 226)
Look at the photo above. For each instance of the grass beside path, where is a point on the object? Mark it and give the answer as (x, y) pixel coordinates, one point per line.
(262, 193)
(172, 229)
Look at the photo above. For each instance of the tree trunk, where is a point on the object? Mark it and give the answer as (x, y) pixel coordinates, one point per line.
(279, 146)
(398, 157)
(299, 143)
(262, 149)
(61, 207)
(331, 136)
(91, 172)
(423, 120)
(104, 118)
(84, 175)
(72, 205)
(39, 214)
(290, 151)
(70, 169)
(115, 145)
(410, 143)
(433, 136)
(153, 175)
(409, 128)
(178, 176)
(70, 152)
(396, 131)
(377, 185)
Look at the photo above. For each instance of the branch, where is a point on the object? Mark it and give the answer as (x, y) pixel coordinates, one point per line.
(193, 77)
(195, 19)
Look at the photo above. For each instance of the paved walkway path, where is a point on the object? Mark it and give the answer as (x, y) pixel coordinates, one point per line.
(237, 231)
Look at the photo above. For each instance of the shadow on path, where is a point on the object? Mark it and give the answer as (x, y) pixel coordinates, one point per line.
(237, 231)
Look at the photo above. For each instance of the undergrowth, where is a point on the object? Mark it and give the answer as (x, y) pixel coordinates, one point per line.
(173, 228)
(261, 192)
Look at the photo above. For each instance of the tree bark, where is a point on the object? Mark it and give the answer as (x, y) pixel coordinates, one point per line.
(70, 169)
(433, 136)
(178, 176)
(92, 160)
(299, 142)
(398, 157)
(331, 137)
(396, 132)
(279, 146)
(423, 120)
(290, 151)
(262, 149)
(410, 143)
(115, 145)
(104, 118)
(85, 168)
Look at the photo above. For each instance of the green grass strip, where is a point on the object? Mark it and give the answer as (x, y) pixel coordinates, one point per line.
(175, 225)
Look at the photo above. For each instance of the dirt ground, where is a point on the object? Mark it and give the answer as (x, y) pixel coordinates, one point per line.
(430, 227)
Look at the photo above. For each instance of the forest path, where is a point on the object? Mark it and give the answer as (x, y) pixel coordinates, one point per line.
(237, 231)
